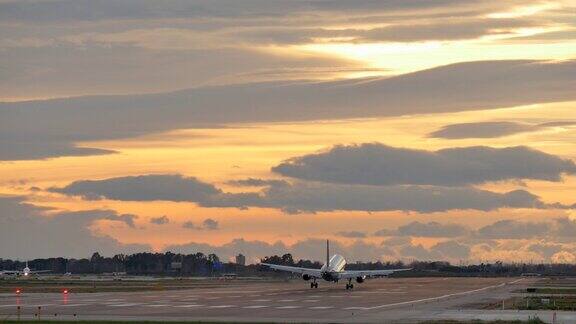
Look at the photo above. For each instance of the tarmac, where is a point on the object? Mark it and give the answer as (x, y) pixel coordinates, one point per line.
(401, 300)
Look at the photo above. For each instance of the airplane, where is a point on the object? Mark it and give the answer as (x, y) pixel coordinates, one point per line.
(24, 272)
(333, 271)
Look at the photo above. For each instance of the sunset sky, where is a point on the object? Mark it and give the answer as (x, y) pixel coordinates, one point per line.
(398, 129)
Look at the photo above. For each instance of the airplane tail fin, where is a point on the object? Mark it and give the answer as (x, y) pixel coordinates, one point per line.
(327, 252)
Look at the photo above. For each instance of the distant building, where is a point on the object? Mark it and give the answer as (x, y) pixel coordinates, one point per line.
(176, 266)
(240, 259)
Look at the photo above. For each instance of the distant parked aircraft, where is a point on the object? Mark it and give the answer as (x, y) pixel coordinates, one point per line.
(333, 270)
(24, 272)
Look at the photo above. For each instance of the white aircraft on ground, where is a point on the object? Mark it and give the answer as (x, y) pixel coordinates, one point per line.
(24, 272)
(333, 271)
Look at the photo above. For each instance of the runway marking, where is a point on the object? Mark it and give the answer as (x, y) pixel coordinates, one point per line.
(125, 305)
(321, 307)
(255, 306)
(10, 305)
(444, 296)
(188, 306)
(157, 305)
(311, 300)
(262, 300)
(350, 308)
(222, 306)
(212, 298)
(286, 300)
(72, 305)
(288, 307)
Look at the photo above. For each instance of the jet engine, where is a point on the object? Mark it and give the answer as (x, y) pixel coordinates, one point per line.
(306, 277)
(360, 279)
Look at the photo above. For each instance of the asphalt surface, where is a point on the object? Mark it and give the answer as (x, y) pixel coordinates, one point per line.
(378, 300)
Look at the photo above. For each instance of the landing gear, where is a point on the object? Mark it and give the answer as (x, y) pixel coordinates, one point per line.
(314, 284)
(349, 285)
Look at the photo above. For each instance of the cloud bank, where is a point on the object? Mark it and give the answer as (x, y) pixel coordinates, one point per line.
(25, 126)
(492, 129)
(28, 232)
(302, 196)
(381, 165)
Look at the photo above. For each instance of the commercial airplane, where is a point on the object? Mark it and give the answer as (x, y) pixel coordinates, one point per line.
(24, 272)
(333, 270)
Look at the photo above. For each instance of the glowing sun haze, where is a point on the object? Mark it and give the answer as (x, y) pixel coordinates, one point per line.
(432, 130)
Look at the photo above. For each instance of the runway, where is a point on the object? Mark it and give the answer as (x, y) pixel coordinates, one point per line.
(376, 300)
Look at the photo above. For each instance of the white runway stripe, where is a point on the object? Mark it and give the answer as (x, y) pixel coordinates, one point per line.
(321, 307)
(288, 307)
(189, 306)
(73, 305)
(125, 305)
(222, 306)
(255, 306)
(262, 300)
(157, 305)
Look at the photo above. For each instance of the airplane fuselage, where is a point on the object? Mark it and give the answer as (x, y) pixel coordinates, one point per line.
(333, 267)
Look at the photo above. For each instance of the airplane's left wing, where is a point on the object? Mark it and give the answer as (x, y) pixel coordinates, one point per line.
(10, 272)
(368, 273)
(39, 271)
(315, 273)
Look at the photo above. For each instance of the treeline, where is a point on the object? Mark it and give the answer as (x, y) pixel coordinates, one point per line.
(199, 264)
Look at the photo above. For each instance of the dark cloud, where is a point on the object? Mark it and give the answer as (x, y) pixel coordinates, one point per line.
(545, 249)
(189, 225)
(303, 197)
(162, 220)
(495, 84)
(561, 229)
(351, 234)
(208, 224)
(28, 232)
(419, 252)
(492, 129)
(142, 188)
(253, 182)
(378, 164)
(90, 10)
(385, 232)
(452, 250)
(513, 229)
(431, 229)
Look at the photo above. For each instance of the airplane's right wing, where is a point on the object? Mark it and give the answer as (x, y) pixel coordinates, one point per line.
(39, 271)
(369, 273)
(315, 273)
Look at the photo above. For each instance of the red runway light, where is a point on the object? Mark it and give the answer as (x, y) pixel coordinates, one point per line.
(18, 291)
(65, 291)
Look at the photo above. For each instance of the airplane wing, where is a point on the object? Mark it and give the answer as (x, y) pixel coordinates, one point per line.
(368, 273)
(316, 273)
(10, 272)
(39, 271)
